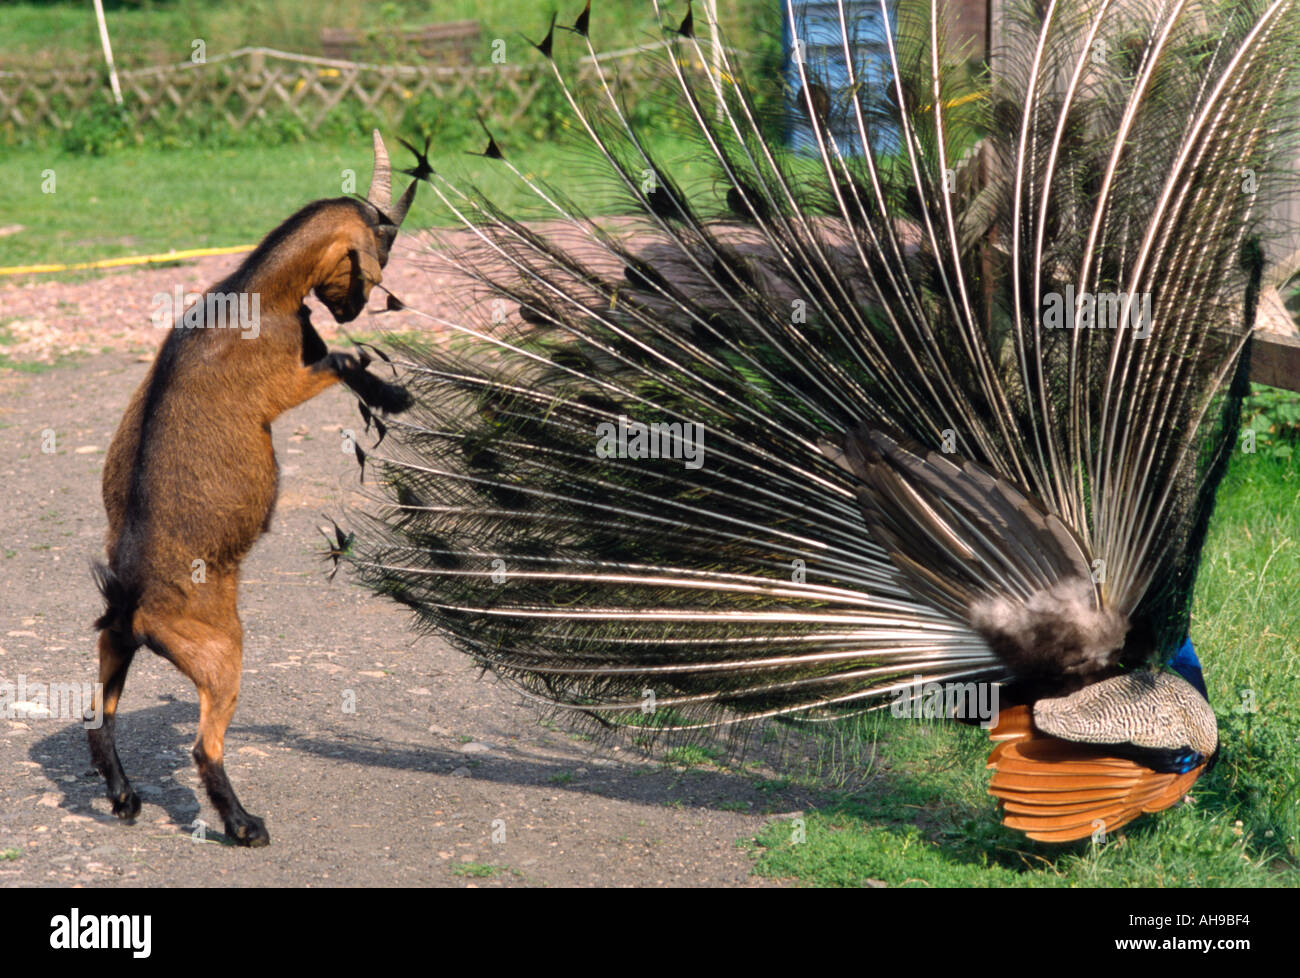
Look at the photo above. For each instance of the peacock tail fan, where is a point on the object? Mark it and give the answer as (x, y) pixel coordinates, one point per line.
(635, 487)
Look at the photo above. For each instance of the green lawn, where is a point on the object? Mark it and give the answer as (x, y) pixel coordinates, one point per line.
(147, 32)
(145, 201)
(129, 190)
(925, 819)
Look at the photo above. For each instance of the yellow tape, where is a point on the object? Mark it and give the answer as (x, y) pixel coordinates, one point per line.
(131, 260)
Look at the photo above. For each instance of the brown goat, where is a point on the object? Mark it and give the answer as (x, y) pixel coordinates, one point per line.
(190, 480)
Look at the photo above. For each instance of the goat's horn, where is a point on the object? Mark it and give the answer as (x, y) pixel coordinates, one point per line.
(403, 204)
(381, 181)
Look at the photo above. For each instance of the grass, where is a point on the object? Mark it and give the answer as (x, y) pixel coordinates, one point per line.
(121, 190)
(691, 755)
(480, 870)
(65, 34)
(923, 817)
(148, 200)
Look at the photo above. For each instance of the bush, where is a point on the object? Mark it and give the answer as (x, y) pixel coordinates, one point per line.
(1274, 416)
(101, 128)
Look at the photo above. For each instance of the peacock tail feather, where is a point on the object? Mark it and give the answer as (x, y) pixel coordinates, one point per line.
(843, 422)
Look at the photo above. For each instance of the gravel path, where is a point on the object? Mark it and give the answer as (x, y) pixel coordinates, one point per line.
(409, 789)
(43, 319)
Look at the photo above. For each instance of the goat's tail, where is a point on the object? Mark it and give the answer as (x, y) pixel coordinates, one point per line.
(121, 601)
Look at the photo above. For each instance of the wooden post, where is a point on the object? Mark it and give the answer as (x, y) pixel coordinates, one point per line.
(108, 51)
(711, 15)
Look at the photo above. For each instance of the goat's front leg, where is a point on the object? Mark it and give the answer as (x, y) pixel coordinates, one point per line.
(308, 381)
(321, 368)
(351, 370)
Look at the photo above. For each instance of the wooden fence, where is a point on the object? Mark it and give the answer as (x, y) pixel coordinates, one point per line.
(253, 83)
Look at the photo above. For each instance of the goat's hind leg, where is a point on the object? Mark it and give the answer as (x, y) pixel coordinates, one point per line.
(211, 656)
(115, 655)
(216, 707)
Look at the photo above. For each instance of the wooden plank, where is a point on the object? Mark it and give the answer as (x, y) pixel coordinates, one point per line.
(456, 34)
(341, 34)
(1275, 360)
(453, 30)
(339, 42)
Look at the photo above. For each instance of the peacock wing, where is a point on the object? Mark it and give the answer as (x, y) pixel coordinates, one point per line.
(1058, 791)
(974, 544)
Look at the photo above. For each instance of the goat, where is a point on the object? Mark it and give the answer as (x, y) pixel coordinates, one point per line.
(190, 480)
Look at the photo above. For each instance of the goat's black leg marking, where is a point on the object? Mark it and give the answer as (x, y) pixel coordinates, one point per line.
(103, 752)
(243, 828)
(313, 347)
(350, 369)
(114, 661)
(390, 398)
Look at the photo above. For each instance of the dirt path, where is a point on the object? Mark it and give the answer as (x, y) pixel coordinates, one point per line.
(408, 789)
(42, 318)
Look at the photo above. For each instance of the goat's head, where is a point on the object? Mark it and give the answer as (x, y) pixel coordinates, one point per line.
(354, 262)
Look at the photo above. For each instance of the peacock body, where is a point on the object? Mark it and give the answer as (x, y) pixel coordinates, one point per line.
(842, 425)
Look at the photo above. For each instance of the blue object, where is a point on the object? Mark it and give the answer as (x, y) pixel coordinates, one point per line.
(1186, 761)
(822, 44)
(1187, 665)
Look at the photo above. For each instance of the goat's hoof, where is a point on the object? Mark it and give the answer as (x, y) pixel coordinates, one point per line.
(251, 833)
(126, 806)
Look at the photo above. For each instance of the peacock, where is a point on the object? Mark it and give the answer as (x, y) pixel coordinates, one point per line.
(936, 395)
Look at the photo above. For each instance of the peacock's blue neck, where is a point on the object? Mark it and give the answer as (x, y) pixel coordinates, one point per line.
(1187, 665)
